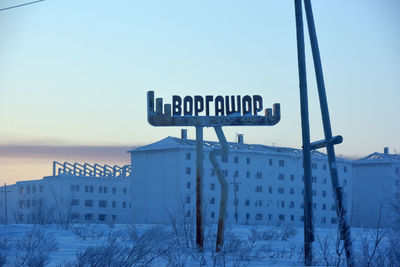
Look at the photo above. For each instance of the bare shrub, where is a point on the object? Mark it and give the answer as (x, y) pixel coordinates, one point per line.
(141, 250)
(35, 247)
(4, 247)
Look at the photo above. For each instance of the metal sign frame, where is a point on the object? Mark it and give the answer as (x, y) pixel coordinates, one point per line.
(162, 115)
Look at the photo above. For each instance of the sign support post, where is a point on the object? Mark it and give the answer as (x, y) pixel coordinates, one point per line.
(199, 188)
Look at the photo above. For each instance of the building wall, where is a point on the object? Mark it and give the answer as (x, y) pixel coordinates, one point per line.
(376, 189)
(267, 194)
(72, 198)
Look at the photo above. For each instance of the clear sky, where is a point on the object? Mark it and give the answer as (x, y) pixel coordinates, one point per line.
(75, 73)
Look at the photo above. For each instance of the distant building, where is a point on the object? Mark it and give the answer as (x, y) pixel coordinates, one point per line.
(75, 193)
(265, 183)
(376, 190)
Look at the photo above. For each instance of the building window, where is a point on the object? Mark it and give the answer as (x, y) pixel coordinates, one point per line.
(100, 189)
(188, 199)
(212, 172)
(41, 188)
(270, 189)
(324, 182)
(114, 217)
(102, 204)
(282, 204)
(224, 159)
(33, 189)
(281, 176)
(124, 204)
(88, 203)
(292, 177)
(314, 165)
(258, 216)
(74, 216)
(188, 185)
(124, 190)
(259, 175)
(91, 189)
(292, 218)
(314, 179)
(281, 217)
(397, 170)
(258, 203)
(114, 190)
(188, 213)
(259, 189)
(75, 202)
(77, 188)
(269, 217)
(114, 204)
(324, 166)
(28, 189)
(333, 220)
(86, 188)
(247, 202)
(344, 182)
(302, 218)
(291, 205)
(187, 171)
(247, 216)
(72, 187)
(236, 159)
(88, 216)
(212, 187)
(247, 160)
(236, 174)
(188, 156)
(281, 163)
(345, 168)
(225, 173)
(247, 174)
(102, 217)
(333, 207)
(212, 200)
(270, 162)
(105, 190)
(292, 191)
(281, 190)
(212, 214)
(323, 206)
(324, 193)
(323, 220)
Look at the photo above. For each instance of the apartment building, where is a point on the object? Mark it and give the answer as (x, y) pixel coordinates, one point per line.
(265, 183)
(69, 196)
(376, 191)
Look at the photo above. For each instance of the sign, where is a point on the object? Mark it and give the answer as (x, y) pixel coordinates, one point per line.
(211, 111)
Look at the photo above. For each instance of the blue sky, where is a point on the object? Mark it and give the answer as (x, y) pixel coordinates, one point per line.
(77, 72)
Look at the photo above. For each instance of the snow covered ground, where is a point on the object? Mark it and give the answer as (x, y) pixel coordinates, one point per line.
(173, 245)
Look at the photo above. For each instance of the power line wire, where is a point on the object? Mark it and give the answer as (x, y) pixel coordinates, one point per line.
(25, 4)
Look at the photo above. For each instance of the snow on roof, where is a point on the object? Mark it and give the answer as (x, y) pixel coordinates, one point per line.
(174, 142)
(379, 157)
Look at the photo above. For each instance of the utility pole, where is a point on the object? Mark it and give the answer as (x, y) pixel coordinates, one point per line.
(235, 189)
(329, 141)
(5, 201)
(305, 127)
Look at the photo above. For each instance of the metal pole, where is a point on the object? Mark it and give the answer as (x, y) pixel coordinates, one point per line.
(224, 185)
(337, 190)
(199, 187)
(308, 214)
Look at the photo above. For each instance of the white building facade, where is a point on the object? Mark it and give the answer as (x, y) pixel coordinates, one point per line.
(376, 192)
(265, 183)
(68, 198)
